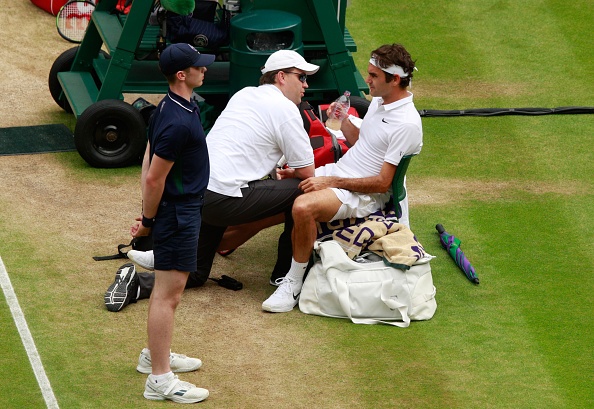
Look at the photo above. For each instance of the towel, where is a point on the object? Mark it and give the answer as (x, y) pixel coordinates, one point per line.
(384, 236)
(399, 248)
(327, 229)
(355, 239)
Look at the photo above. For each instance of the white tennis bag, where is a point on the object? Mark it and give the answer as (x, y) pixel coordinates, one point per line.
(367, 293)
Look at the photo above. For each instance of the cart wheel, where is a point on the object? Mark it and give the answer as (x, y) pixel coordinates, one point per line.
(63, 63)
(360, 104)
(110, 134)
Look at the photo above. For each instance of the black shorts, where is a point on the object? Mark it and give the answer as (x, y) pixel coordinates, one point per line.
(261, 199)
(175, 235)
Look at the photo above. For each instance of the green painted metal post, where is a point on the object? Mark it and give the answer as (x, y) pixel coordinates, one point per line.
(341, 62)
(105, 28)
(127, 44)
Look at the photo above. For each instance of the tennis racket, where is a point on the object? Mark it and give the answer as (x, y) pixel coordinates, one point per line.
(73, 19)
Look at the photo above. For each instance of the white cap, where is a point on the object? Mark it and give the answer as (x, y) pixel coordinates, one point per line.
(284, 59)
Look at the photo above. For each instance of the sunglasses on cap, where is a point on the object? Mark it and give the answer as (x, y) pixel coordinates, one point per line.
(302, 77)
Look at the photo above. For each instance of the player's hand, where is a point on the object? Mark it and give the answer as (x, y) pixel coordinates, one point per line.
(317, 183)
(330, 108)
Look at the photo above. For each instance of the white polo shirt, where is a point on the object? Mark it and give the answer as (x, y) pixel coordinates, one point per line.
(388, 133)
(258, 126)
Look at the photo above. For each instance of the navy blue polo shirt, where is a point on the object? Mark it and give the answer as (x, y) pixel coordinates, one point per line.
(176, 134)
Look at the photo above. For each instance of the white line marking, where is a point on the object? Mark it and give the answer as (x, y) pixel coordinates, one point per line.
(21, 324)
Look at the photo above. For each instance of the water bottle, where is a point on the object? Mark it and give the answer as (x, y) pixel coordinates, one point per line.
(339, 111)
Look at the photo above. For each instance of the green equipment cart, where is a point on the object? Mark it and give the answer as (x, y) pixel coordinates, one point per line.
(118, 55)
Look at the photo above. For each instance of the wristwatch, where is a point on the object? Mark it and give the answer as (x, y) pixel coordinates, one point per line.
(148, 223)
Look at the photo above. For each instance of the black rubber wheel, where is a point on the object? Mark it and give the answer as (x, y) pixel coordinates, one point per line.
(360, 104)
(63, 63)
(110, 134)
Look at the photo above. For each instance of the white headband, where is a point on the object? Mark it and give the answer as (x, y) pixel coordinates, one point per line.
(392, 69)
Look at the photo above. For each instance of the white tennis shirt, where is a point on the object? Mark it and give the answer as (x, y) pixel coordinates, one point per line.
(388, 133)
(258, 126)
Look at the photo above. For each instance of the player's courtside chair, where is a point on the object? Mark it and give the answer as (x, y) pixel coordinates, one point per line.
(398, 189)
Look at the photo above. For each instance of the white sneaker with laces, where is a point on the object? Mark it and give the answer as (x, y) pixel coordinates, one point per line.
(177, 362)
(175, 390)
(286, 296)
(144, 259)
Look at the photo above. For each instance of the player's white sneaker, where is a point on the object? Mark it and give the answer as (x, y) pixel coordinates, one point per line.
(175, 390)
(177, 362)
(285, 298)
(144, 259)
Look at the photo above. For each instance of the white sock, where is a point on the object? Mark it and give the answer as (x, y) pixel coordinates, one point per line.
(161, 378)
(297, 271)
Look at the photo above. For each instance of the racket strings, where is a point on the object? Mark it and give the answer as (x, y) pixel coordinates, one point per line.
(73, 19)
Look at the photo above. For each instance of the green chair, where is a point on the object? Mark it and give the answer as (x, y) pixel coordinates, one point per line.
(398, 189)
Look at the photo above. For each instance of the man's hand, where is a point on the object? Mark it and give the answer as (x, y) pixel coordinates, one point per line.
(138, 229)
(317, 183)
(285, 173)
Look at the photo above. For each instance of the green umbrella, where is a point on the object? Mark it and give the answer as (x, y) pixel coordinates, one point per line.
(452, 246)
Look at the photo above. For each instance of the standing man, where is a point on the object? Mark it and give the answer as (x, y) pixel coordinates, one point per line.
(175, 173)
(360, 182)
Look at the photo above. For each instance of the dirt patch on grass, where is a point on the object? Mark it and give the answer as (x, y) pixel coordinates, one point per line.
(427, 191)
(84, 214)
(472, 89)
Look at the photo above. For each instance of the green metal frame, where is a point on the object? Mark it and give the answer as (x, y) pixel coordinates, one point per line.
(93, 77)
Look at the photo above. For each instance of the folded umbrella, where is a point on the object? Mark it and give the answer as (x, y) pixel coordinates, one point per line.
(452, 245)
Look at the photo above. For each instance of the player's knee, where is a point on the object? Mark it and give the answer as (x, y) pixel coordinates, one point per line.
(302, 207)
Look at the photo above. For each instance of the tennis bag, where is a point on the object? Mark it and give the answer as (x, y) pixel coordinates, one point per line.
(326, 147)
(51, 6)
(367, 293)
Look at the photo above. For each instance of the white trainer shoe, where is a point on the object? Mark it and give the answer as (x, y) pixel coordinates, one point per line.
(285, 298)
(175, 390)
(144, 259)
(177, 362)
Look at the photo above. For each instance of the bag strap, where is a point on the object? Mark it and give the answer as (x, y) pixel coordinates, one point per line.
(120, 254)
(344, 299)
(315, 127)
(336, 148)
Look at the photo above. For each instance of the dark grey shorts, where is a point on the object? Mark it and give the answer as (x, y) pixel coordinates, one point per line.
(261, 199)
